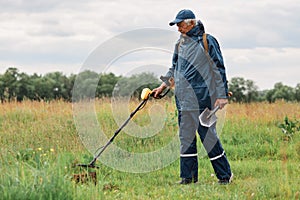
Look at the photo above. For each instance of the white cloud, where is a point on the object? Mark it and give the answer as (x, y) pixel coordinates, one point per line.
(265, 66)
(64, 32)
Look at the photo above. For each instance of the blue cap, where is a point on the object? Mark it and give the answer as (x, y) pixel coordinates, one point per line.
(182, 15)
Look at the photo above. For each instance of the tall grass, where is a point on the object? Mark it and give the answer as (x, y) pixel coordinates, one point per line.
(39, 145)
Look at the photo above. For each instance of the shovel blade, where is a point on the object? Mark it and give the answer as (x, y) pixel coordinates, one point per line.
(206, 118)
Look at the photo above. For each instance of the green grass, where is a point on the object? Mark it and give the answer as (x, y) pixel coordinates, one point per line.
(39, 145)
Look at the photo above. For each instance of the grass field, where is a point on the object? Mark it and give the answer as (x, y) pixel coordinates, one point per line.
(39, 145)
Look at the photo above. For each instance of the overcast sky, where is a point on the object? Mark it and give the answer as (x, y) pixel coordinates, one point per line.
(259, 38)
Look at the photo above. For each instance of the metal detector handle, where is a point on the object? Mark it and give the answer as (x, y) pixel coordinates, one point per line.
(166, 80)
(213, 112)
(160, 96)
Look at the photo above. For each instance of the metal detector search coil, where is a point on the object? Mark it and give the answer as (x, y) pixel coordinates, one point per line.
(146, 93)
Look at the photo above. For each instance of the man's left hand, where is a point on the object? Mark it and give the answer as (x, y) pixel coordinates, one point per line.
(221, 103)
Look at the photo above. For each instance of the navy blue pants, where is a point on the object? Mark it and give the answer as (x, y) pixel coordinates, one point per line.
(188, 125)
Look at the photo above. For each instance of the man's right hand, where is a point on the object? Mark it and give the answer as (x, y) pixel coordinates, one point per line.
(157, 91)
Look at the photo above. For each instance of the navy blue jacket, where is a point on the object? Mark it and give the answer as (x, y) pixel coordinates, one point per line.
(199, 78)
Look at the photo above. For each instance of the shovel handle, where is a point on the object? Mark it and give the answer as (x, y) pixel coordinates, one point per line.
(213, 112)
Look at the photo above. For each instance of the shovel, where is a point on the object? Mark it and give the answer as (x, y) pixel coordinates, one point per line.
(207, 117)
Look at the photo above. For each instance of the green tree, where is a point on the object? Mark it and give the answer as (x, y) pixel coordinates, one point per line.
(237, 87)
(106, 84)
(262, 95)
(243, 90)
(69, 86)
(252, 93)
(2, 88)
(133, 85)
(59, 85)
(281, 91)
(25, 87)
(9, 83)
(85, 85)
(44, 88)
(297, 92)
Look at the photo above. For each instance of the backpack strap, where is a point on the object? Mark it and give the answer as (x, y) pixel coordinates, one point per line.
(179, 44)
(205, 44)
(204, 39)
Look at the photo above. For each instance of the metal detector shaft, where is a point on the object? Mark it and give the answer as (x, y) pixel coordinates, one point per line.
(92, 163)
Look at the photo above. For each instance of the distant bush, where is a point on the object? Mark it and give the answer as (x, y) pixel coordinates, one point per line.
(289, 127)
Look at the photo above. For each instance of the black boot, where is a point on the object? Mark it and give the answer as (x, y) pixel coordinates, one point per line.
(185, 181)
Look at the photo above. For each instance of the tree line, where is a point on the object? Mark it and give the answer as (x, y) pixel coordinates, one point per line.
(19, 86)
(16, 86)
(246, 91)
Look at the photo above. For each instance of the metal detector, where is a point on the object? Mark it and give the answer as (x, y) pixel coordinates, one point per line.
(146, 93)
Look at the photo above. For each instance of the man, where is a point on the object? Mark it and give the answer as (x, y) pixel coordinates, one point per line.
(200, 82)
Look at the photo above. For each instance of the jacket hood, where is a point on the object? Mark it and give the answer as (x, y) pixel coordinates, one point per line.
(197, 31)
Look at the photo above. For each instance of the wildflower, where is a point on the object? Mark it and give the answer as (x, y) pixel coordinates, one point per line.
(40, 149)
(52, 150)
